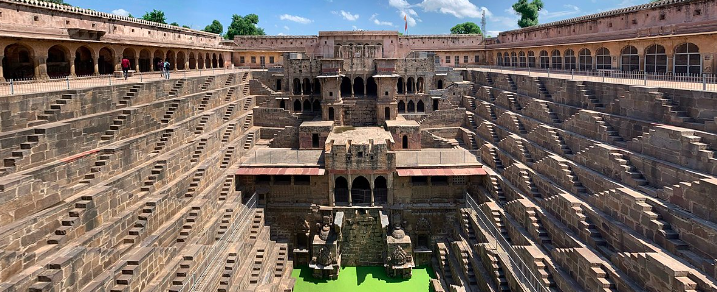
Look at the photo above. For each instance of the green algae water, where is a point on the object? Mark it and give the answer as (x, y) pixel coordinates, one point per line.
(363, 279)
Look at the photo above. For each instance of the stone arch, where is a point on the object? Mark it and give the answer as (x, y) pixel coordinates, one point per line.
(687, 59)
(522, 60)
(297, 86)
(171, 57)
(84, 61)
(531, 59)
(207, 61)
(221, 60)
(570, 60)
(629, 59)
(341, 190)
(307, 105)
(506, 59)
(200, 61)
(557, 62)
(513, 59)
(297, 106)
(411, 85)
(603, 60)
(420, 107)
(317, 86)
(358, 86)
(58, 61)
(380, 190)
(180, 61)
(371, 87)
(420, 86)
(655, 59)
(19, 62)
(345, 86)
(192, 61)
(499, 58)
(130, 54)
(585, 59)
(400, 85)
(401, 107)
(411, 108)
(158, 57)
(105, 61)
(306, 86)
(360, 191)
(215, 62)
(316, 105)
(439, 84)
(544, 59)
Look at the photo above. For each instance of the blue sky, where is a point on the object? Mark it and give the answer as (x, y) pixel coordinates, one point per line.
(307, 17)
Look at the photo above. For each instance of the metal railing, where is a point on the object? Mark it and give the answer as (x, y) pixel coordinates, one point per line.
(437, 157)
(35, 85)
(703, 82)
(237, 228)
(523, 273)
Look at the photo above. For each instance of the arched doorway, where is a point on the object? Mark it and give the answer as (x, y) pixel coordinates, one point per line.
(297, 106)
(215, 63)
(171, 57)
(371, 87)
(387, 113)
(145, 61)
(192, 61)
(307, 105)
(360, 191)
(57, 62)
(399, 85)
(585, 60)
(297, 86)
(19, 62)
(380, 191)
(306, 86)
(105, 62)
(345, 86)
(439, 84)
(401, 107)
(200, 61)
(158, 57)
(341, 191)
(358, 86)
(420, 86)
(411, 86)
(316, 106)
(688, 59)
(317, 86)
(207, 61)
(84, 62)
(420, 107)
(404, 142)
(180, 61)
(130, 55)
(221, 60)
(411, 106)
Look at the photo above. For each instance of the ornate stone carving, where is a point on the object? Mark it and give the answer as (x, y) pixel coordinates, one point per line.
(324, 257)
(398, 257)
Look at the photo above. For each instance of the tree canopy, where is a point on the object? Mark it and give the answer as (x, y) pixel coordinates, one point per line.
(156, 16)
(215, 27)
(466, 28)
(174, 23)
(528, 12)
(61, 2)
(246, 25)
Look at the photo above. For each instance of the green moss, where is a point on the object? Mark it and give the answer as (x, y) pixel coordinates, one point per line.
(358, 279)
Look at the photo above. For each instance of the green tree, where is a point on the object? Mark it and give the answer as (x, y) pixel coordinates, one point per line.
(57, 2)
(130, 15)
(186, 26)
(528, 12)
(215, 27)
(466, 28)
(174, 23)
(156, 16)
(244, 26)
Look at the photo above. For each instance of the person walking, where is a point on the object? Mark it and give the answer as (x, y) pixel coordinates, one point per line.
(125, 67)
(166, 68)
(160, 67)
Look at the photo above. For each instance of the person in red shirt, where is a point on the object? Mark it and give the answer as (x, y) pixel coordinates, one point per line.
(125, 67)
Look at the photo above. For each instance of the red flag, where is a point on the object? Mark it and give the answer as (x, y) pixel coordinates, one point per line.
(405, 28)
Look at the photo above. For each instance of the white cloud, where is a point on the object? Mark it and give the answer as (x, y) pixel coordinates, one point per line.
(493, 33)
(348, 16)
(286, 27)
(404, 9)
(120, 12)
(569, 11)
(378, 22)
(281, 33)
(295, 18)
(457, 8)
